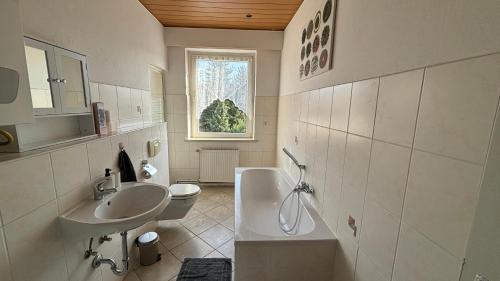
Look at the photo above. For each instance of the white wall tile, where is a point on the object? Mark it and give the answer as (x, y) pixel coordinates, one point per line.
(341, 104)
(312, 116)
(333, 181)
(94, 92)
(180, 143)
(388, 174)
(269, 159)
(138, 149)
(34, 240)
(440, 199)
(265, 124)
(108, 95)
(296, 106)
(71, 169)
(397, 107)
(351, 205)
(366, 270)
(356, 165)
(250, 159)
(71, 199)
(301, 142)
(4, 259)
(379, 238)
(303, 101)
(418, 259)
(99, 154)
(363, 105)
(315, 173)
(325, 106)
(169, 103)
(125, 113)
(180, 123)
(182, 160)
(310, 146)
(136, 104)
(26, 185)
(357, 160)
(115, 148)
(458, 105)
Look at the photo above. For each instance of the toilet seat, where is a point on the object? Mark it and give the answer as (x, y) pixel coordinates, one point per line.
(183, 191)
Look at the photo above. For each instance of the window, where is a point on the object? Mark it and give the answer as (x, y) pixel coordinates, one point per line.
(221, 93)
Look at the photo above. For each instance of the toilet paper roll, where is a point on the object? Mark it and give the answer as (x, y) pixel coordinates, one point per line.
(148, 171)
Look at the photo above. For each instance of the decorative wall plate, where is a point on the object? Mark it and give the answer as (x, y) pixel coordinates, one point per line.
(317, 41)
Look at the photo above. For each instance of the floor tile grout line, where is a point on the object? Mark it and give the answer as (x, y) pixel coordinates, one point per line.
(179, 224)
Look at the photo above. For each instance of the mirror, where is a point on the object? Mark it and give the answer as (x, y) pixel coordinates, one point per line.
(74, 92)
(38, 74)
(9, 83)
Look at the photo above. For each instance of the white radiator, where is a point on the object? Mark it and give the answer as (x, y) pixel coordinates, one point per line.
(217, 165)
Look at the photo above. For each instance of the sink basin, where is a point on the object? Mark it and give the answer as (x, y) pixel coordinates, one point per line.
(129, 208)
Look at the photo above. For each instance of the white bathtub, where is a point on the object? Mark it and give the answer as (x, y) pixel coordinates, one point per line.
(262, 250)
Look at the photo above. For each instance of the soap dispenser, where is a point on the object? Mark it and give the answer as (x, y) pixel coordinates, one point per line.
(110, 177)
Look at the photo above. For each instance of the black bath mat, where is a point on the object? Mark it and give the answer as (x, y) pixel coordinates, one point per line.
(205, 269)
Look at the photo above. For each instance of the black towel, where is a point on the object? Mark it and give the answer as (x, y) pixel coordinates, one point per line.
(127, 172)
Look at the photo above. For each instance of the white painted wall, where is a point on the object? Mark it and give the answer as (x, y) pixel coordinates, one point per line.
(184, 160)
(374, 38)
(224, 38)
(120, 37)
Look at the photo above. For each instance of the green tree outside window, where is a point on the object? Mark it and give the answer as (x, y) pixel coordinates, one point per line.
(223, 117)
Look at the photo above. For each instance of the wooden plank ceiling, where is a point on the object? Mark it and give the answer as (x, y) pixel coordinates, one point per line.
(229, 14)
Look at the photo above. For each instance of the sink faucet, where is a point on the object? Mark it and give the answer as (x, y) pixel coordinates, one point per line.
(100, 187)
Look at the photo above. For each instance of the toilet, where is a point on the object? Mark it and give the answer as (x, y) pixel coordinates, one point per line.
(183, 198)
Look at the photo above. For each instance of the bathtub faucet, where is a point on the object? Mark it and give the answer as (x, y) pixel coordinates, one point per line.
(304, 187)
(301, 166)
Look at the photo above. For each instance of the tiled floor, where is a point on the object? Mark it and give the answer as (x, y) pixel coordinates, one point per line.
(207, 231)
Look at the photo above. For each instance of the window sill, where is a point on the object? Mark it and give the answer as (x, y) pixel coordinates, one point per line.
(222, 139)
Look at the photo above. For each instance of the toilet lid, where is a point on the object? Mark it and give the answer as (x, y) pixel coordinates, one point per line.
(184, 190)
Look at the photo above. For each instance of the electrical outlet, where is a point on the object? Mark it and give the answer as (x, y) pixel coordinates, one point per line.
(479, 277)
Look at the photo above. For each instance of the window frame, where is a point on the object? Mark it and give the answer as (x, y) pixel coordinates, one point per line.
(193, 125)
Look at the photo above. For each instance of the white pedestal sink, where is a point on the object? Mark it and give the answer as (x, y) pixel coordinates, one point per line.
(129, 208)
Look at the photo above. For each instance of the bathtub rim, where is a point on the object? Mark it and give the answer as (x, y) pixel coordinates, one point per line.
(321, 231)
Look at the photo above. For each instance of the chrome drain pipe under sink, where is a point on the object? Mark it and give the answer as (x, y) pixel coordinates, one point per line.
(99, 260)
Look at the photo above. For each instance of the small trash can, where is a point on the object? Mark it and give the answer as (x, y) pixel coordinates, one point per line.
(148, 248)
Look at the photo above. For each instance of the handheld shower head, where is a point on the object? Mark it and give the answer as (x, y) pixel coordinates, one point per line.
(301, 166)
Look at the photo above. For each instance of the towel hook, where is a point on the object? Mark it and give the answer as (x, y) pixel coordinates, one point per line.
(121, 146)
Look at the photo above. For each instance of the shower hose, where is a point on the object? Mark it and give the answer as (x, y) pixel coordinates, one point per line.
(296, 190)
